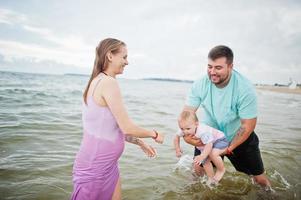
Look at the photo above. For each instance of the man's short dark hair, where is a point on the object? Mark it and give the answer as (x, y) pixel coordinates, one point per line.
(221, 51)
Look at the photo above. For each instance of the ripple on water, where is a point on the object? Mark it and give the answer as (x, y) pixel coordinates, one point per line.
(40, 130)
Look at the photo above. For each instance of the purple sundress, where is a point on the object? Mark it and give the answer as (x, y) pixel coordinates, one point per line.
(95, 170)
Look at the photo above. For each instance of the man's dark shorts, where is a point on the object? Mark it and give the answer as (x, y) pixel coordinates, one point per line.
(246, 157)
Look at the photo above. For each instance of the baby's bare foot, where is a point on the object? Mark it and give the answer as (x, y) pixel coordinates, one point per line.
(211, 182)
(219, 174)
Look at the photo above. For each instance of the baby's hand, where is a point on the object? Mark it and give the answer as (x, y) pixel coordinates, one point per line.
(198, 159)
(179, 152)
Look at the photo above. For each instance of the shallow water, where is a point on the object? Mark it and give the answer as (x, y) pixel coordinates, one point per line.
(40, 133)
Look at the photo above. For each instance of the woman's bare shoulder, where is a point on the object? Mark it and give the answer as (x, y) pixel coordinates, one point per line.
(109, 81)
(107, 84)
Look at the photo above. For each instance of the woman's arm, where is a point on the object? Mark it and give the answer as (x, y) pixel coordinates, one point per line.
(147, 149)
(112, 95)
(132, 139)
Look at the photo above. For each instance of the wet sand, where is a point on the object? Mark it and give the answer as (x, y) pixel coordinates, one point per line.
(280, 89)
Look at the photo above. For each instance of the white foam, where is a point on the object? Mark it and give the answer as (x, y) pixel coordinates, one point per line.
(284, 182)
(184, 163)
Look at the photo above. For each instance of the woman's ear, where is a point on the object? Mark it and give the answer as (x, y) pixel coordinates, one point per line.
(110, 56)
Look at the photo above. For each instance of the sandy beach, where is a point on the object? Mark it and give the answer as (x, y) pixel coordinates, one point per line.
(280, 89)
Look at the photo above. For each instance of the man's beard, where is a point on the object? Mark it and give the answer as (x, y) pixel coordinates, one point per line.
(221, 80)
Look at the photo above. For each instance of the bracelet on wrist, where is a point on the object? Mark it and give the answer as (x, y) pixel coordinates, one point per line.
(228, 151)
(156, 136)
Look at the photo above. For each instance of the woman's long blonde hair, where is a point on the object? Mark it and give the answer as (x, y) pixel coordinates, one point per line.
(101, 60)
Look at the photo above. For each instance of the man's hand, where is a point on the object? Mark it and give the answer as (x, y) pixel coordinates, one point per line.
(191, 140)
(224, 152)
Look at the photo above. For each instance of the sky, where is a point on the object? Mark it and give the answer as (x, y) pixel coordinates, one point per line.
(165, 39)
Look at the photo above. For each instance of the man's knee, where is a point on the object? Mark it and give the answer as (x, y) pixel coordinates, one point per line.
(262, 180)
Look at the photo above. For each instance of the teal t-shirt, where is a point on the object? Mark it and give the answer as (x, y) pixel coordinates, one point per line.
(224, 107)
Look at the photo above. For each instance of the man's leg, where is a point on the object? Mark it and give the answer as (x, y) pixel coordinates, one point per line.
(262, 180)
(198, 169)
(246, 158)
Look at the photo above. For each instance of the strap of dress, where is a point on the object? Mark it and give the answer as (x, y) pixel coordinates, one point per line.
(96, 86)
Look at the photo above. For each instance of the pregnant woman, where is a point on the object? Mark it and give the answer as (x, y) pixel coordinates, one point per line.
(106, 125)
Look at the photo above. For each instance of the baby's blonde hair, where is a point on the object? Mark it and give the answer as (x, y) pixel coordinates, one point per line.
(186, 115)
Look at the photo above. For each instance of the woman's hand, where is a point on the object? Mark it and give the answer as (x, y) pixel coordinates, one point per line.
(159, 138)
(147, 149)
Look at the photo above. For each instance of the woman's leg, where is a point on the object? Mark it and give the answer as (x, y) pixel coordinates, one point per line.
(117, 191)
(218, 162)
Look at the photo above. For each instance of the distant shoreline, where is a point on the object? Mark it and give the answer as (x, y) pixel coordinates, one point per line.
(167, 79)
(280, 89)
(274, 88)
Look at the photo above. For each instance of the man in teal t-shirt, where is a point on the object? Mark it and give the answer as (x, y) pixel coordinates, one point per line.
(230, 105)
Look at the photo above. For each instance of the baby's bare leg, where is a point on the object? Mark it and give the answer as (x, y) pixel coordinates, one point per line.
(218, 162)
(208, 168)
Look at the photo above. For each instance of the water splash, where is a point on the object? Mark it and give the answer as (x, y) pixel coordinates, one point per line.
(280, 179)
(184, 163)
